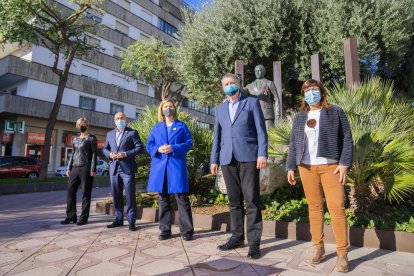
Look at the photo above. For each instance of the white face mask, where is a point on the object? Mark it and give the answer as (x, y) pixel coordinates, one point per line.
(120, 123)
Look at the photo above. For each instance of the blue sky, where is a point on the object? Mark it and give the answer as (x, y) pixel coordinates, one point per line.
(194, 3)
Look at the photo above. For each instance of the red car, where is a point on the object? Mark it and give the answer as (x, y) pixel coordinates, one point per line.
(19, 167)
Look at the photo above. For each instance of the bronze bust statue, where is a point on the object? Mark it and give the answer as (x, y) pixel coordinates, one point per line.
(265, 90)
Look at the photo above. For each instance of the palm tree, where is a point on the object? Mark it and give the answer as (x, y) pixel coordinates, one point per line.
(383, 133)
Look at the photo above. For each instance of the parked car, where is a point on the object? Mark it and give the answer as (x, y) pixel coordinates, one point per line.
(19, 167)
(102, 169)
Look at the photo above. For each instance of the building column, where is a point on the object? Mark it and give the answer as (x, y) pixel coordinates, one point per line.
(57, 147)
(19, 144)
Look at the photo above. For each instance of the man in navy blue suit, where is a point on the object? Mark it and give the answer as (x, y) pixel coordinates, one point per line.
(240, 148)
(121, 146)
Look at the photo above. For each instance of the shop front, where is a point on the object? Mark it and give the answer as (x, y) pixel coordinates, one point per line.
(6, 144)
(35, 145)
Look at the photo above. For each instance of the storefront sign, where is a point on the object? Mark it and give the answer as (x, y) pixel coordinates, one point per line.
(101, 144)
(36, 138)
(7, 138)
(9, 126)
(20, 127)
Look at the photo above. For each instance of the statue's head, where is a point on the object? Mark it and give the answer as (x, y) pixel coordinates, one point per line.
(260, 71)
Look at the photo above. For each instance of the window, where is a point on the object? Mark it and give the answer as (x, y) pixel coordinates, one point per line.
(166, 27)
(193, 105)
(118, 81)
(146, 15)
(13, 92)
(122, 28)
(115, 108)
(90, 72)
(87, 103)
(142, 88)
(92, 41)
(118, 52)
(204, 125)
(137, 113)
(125, 4)
(94, 15)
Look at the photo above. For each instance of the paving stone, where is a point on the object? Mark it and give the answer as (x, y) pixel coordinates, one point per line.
(161, 251)
(161, 266)
(108, 253)
(118, 240)
(41, 271)
(216, 264)
(35, 225)
(55, 256)
(71, 242)
(7, 257)
(26, 244)
(104, 268)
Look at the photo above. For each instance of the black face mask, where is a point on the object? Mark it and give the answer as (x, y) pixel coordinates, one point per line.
(83, 128)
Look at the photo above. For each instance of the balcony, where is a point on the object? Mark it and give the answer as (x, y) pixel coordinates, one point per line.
(24, 106)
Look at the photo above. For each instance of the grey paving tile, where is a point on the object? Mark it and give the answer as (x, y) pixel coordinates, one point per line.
(32, 242)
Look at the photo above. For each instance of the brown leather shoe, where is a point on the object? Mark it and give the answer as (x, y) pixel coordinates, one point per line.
(342, 263)
(317, 255)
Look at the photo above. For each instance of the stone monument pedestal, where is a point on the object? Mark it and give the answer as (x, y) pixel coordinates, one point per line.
(271, 178)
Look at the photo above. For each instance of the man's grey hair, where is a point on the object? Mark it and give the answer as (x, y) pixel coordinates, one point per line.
(230, 75)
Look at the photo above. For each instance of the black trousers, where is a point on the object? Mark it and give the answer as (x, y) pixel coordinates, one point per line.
(242, 183)
(79, 176)
(185, 218)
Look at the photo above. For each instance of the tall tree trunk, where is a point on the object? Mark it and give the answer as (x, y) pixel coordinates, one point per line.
(63, 78)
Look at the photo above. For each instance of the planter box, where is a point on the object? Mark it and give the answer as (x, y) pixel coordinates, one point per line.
(359, 237)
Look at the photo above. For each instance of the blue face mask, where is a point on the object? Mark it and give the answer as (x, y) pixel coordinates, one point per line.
(231, 89)
(312, 97)
(120, 124)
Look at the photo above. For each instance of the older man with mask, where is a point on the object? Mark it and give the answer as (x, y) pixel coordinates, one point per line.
(240, 148)
(121, 146)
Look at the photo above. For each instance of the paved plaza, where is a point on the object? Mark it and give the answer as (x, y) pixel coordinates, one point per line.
(32, 242)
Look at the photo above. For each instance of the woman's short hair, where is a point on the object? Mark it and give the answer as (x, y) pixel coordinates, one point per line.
(161, 117)
(310, 83)
(82, 121)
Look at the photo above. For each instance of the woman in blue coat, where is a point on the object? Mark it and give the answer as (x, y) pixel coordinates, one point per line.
(168, 144)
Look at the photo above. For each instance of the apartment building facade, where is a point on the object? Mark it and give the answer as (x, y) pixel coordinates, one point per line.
(96, 88)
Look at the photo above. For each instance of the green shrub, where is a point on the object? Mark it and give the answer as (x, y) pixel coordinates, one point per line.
(382, 129)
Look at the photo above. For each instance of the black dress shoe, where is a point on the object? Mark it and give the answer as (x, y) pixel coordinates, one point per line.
(164, 236)
(232, 243)
(254, 252)
(132, 227)
(187, 237)
(67, 221)
(82, 222)
(115, 224)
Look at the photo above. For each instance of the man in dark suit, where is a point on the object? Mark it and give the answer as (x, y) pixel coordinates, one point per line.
(121, 146)
(240, 147)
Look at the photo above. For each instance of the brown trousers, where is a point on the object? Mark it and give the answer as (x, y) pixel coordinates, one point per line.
(318, 180)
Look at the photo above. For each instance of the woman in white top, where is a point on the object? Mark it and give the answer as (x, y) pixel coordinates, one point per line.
(321, 147)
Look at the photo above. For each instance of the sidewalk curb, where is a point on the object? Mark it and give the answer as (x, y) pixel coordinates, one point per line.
(7, 189)
(359, 237)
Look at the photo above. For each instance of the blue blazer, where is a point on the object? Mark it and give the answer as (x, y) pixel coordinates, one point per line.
(245, 138)
(174, 163)
(130, 144)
